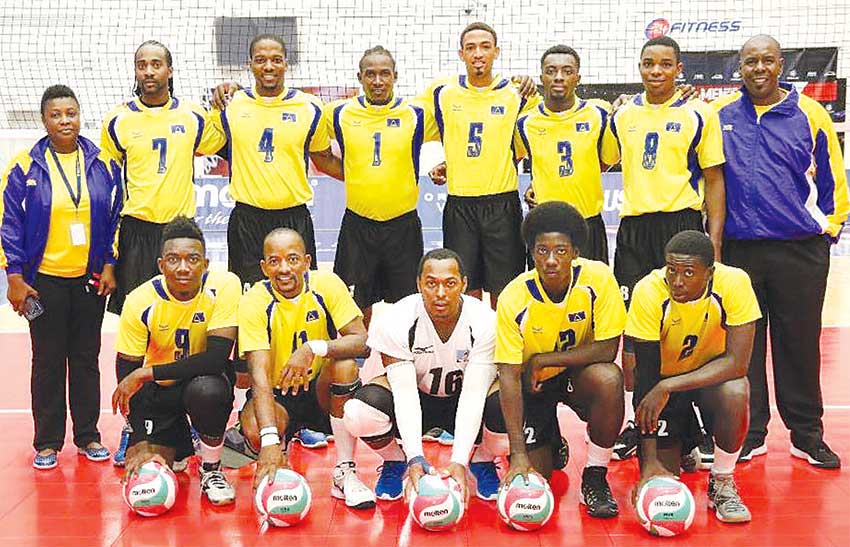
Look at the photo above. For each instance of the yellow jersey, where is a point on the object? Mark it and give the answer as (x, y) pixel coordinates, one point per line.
(270, 322)
(528, 322)
(156, 146)
(691, 333)
(66, 254)
(565, 150)
(664, 149)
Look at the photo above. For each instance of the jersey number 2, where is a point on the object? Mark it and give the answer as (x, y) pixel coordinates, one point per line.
(688, 346)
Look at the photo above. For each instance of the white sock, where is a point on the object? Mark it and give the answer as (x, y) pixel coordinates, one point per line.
(239, 397)
(630, 408)
(392, 452)
(344, 441)
(598, 456)
(211, 454)
(724, 462)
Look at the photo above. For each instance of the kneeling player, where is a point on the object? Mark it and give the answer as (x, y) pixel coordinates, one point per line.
(557, 333)
(300, 331)
(693, 323)
(437, 349)
(174, 341)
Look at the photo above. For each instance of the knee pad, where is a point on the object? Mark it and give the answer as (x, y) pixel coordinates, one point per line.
(493, 419)
(366, 422)
(341, 390)
(208, 400)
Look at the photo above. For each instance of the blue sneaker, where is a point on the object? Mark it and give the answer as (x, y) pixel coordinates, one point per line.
(432, 435)
(46, 461)
(311, 439)
(446, 438)
(486, 480)
(95, 454)
(121, 454)
(389, 485)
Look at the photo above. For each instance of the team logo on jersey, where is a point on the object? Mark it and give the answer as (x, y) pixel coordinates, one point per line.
(199, 317)
(312, 315)
(577, 316)
(288, 117)
(394, 122)
(497, 110)
(582, 127)
(178, 128)
(462, 355)
(673, 127)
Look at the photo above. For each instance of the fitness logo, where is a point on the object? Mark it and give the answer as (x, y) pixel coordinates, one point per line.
(662, 27)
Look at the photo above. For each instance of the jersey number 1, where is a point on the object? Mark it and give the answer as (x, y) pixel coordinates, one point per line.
(376, 154)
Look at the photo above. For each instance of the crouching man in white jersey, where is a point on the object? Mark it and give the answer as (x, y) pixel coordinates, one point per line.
(440, 344)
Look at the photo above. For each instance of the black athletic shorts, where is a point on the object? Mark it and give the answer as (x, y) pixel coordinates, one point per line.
(158, 415)
(379, 258)
(139, 244)
(641, 241)
(303, 410)
(596, 246)
(541, 410)
(485, 232)
(248, 227)
(678, 421)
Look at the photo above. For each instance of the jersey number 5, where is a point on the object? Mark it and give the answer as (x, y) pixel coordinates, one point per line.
(473, 147)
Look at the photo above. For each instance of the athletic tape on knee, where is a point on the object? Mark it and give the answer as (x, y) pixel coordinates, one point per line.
(365, 421)
(341, 390)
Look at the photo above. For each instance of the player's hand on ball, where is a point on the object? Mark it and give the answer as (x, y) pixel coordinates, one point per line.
(457, 472)
(520, 465)
(416, 471)
(137, 456)
(222, 94)
(438, 174)
(650, 407)
(296, 373)
(269, 460)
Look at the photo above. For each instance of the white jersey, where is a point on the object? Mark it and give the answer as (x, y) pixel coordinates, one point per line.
(406, 332)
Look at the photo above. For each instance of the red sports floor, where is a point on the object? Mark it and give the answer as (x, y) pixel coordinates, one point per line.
(79, 503)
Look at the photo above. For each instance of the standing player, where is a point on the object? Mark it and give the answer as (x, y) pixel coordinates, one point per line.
(300, 332)
(672, 158)
(693, 323)
(476, 114)
(557, 333)
(437, 351)
(567, 141)
(154, 137)
(379, 136)
(174, 341)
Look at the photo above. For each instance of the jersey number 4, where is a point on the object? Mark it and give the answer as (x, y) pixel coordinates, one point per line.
(454, 381)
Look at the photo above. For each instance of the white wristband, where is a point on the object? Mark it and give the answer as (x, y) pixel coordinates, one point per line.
(318, 347)
(269, 439)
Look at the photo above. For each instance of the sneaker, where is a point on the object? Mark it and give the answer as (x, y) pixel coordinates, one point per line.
(121, 454)
(348, 486)
(486, 480)
(215, 485)
(723, 497)
(689, 462)
(706, 452)
(45, 461)
(389, 485)
(179, 466)
(446, 438)
(752, 448)
(237, 453)
(596, 494)
(95, 453)
(310, 439)
(818, 454)
(560, 454)
(627, 442)
(432, 435)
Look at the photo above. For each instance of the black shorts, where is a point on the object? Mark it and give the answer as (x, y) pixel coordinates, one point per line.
(158, 415)
(541, 410)
(379, 259)
(248, 227)
(596, 246)
(641, 241)
(485, 232)
(303, 410)
(139, 244)
(436, 412)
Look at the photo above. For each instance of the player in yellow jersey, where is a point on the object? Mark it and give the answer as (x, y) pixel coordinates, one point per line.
(568, 141)
(300, 331)
(475, 114)
(155, 137)
(174, 341)
(672, 158)
(693, 323)
(558, 329)
(380, 137)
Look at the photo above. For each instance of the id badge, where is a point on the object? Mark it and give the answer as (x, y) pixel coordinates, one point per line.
(78, 234)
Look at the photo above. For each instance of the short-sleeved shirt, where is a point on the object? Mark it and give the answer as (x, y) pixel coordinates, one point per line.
(156, 146)
(270, 143)
(62, 257)
(691, 333)
(405, 332)
(161, 329)
(269, 321)
(664, 149)
(528, 322)
(565, 150)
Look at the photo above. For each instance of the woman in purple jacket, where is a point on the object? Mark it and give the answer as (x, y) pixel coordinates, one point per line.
(58, 218)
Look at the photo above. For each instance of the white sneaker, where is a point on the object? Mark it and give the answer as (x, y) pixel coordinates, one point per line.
(215, 485)
(348, 486)
(179, 466)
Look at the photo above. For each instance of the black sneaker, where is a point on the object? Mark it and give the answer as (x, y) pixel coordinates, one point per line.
(596, 494)
(627, 442)
(751, 448)
(560, 454)
(706, 452)
(818, 454)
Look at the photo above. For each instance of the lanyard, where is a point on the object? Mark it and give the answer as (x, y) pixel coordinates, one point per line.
(75, 199)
